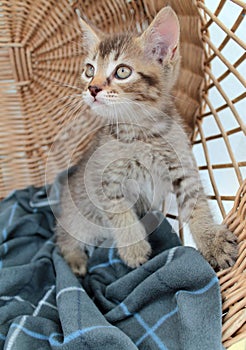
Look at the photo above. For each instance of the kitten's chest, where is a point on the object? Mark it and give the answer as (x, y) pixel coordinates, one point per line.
(135, 158)
(132, 169)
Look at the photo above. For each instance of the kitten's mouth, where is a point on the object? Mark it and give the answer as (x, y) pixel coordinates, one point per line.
(97, 101)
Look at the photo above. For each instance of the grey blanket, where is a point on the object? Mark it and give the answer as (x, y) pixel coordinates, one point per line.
(171, 302)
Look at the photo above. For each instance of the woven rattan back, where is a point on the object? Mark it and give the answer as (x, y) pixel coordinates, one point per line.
(42, 122)
(41, 52)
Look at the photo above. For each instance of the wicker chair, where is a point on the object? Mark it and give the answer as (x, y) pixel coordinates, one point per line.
(41, 122)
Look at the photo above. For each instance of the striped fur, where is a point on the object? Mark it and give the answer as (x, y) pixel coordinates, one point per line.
(140, 154)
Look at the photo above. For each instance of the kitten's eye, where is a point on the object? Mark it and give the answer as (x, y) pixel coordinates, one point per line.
(123, 72)
(89, 71)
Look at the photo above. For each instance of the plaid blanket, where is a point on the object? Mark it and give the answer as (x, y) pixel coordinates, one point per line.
(171, 302)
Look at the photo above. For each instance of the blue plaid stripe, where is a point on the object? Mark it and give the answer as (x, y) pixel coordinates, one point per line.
(111, 261)
(12, 213)
(69, 289)
(51, 338)
(111, 254)
(4, 234)
(157, 325)
(125, 309)
(2, 337)
(5, 248)
(5, 251)
(13, 208)
(204, 289)
(17, 298)
(150, 331)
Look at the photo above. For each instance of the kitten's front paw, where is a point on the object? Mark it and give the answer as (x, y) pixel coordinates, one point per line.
(222, 251)
(136, 254)
(77, 261)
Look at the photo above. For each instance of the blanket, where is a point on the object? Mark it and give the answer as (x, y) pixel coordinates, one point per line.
(172, 302)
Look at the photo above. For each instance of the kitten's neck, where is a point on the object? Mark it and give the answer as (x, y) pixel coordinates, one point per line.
(140, 126)
(126, 132)
(144, 131)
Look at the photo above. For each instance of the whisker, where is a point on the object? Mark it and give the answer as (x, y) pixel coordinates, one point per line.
(74, 98)
(69, 86)
(77, 29)
(70, 113)
(145, 110)
(69, 107)
(59, 83)
(146, 132)
(131, 115)
(131, 123)
(126, 126)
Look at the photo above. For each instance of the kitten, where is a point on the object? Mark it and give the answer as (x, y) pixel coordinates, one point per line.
(140, 153)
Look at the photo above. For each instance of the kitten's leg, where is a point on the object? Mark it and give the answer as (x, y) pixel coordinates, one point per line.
(216, 242)
(129, 235)
(72, 251)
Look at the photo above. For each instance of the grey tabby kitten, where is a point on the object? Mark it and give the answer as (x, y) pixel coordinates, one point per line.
(139, 155)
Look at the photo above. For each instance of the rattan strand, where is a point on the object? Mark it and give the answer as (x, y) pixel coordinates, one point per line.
(233, 281)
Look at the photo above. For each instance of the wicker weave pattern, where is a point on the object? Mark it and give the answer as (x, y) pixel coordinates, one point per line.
(32, 42)
(42, 125)
(40, 60)
(233, 282)
(229, 103)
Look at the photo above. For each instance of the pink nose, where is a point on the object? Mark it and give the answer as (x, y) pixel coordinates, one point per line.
(94, 90)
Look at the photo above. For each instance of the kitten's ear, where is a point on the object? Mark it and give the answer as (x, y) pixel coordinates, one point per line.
(160, 40)
(90, 38)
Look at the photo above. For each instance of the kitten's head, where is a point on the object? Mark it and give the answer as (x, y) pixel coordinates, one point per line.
(128, 76)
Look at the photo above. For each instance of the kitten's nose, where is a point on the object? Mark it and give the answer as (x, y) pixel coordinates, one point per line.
(94, 90)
